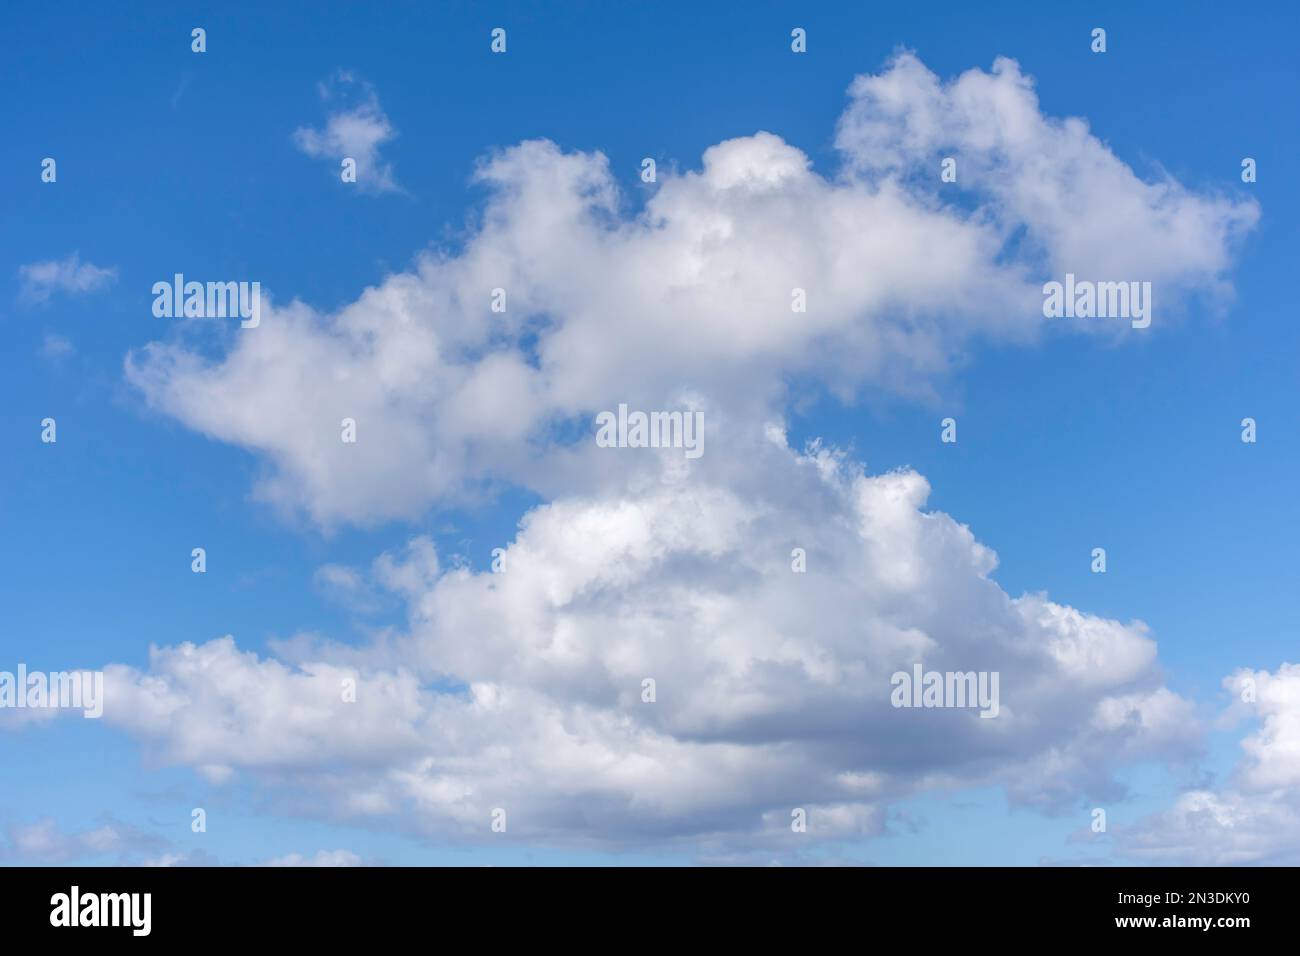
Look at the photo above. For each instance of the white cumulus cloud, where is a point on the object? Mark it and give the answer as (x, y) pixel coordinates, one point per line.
(1254, 818)
(356, 129)
(523, 690)
(689, 300)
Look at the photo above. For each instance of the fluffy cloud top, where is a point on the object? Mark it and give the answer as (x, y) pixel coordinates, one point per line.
(689, 301)
(1255, 817)
(1082, 208)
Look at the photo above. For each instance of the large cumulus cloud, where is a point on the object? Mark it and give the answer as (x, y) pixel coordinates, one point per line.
(689, 300)
(523, 690)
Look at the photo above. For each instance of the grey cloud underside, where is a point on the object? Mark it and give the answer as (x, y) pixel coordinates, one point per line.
(773, 687)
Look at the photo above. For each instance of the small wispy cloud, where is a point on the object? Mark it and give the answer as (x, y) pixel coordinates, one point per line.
(346, 586)
(354, 130)
(55, 346)
(40, 281)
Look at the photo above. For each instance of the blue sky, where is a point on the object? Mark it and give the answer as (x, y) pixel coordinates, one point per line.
(171, 161)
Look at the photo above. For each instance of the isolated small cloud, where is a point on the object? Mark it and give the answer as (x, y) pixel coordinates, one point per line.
(353, 131)
(41, 281)
(55, 346)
